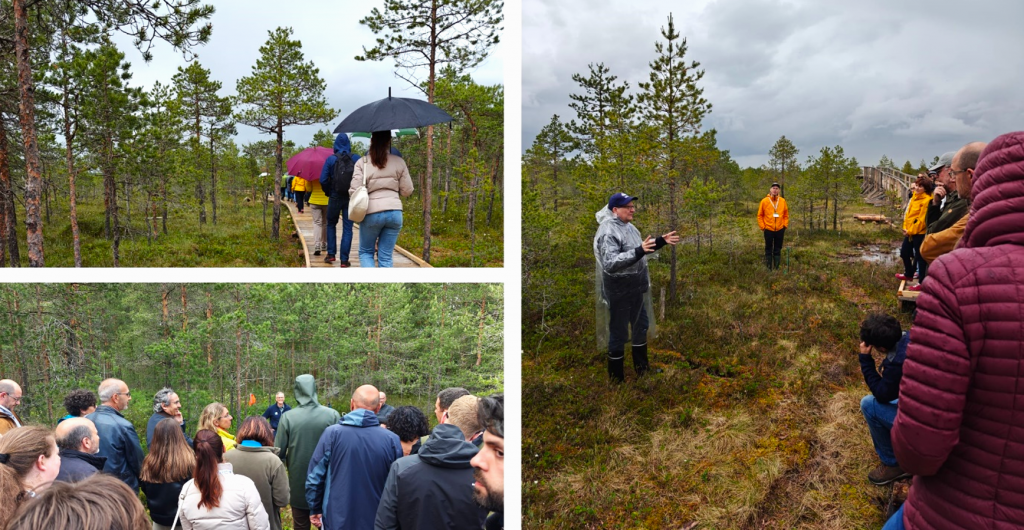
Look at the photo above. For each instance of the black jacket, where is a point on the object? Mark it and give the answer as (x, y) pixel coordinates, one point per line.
(157, 417)
(886, 387)
(162, 500)
(432, 489)
(76, 465)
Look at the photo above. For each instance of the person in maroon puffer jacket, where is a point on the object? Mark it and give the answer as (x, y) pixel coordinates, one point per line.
(960, 426)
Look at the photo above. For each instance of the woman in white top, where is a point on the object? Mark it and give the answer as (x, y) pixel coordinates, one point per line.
(217, 498)
(387, 179)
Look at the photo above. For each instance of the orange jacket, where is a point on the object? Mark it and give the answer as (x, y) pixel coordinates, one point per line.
(939, 243)
(766, 214)
(914, 222)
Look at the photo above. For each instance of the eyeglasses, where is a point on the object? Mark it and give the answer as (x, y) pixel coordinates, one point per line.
(953, 172)
(129, 394)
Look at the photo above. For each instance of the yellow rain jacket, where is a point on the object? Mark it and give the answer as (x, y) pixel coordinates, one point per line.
(914, 222)
(317, 196)
(298, 184)
(766, 217)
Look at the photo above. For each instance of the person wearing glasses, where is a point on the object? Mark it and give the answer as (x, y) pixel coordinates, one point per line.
(216, 417)
(961, 172)
(10, 397)
(946, 209)
(119, 442)
(624, 287)
(773, 218)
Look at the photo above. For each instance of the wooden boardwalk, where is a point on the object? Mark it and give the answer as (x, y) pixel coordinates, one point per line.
(304, 223)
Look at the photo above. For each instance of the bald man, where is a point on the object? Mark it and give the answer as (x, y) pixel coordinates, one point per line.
(119, 442)
(10, 397)
(351, 461)
(79, 443)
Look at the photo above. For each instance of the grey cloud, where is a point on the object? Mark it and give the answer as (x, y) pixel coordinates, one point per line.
(907, 79)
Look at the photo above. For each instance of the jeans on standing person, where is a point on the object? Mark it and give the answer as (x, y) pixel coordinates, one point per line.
(910, 252)
(334, 211)
(880, 417)
(896, 521)
(380, 229)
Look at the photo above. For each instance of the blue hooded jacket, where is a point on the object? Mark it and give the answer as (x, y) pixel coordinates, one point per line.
(348, 470)
(341, 145)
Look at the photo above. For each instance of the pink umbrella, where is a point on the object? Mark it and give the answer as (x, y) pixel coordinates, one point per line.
(309, 162)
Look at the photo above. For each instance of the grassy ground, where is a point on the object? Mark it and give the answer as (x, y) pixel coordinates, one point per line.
(450, 242)
(237, 240)
(752, 419)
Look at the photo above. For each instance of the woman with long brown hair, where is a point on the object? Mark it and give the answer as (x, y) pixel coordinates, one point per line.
(168, 466)
(387, 179)
(217, 498)
(29, 462)
(256, 457)
(216, 417)
(100, 502)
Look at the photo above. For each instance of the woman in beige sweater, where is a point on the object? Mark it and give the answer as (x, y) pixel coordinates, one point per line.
(387, 179)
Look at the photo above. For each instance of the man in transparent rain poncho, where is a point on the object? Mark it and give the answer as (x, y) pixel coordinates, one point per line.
(623, 285)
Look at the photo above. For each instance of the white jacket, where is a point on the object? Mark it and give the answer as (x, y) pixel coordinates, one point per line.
(240, 505)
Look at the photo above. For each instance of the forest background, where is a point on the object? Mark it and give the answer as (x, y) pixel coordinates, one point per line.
(221, 342)
(122, 175)
(751, 417)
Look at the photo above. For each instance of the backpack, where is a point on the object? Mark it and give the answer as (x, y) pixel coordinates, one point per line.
(341, 176)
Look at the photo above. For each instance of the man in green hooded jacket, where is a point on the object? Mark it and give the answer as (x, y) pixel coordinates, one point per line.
(297, 435)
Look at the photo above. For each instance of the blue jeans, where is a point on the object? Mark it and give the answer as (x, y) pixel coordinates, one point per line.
(334, 211)
(896, 521)
(880, 417)
(379, 229)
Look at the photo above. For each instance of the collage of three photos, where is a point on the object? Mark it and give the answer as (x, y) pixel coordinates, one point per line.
(747, 264)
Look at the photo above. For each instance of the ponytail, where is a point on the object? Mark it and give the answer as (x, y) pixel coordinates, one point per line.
(21, 448)
(209, 453)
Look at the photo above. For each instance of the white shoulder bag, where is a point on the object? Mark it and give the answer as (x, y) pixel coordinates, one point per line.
(360, 199)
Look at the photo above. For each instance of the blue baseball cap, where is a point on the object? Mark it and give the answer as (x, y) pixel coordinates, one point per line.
(619, 199)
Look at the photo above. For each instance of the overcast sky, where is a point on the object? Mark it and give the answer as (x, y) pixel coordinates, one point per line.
(909, 79)
(331, 37)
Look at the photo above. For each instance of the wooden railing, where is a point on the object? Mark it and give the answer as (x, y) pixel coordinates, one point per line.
(887, 181)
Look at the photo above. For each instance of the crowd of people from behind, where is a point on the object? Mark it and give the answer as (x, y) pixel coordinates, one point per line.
(377, 466)
(383, 173)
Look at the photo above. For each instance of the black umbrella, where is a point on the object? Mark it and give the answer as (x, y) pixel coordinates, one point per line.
(392, 113)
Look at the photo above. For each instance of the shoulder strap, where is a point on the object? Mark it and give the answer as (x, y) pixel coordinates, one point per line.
(178, 512)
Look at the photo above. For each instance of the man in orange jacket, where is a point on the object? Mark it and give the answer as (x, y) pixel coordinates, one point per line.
(773, 218)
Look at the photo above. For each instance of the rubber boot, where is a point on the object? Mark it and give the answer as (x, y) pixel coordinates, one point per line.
(640, 359)
(616, 369)
(777, 259)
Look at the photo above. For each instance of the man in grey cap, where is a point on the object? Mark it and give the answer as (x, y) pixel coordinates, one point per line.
(947, 205)
(622, 258)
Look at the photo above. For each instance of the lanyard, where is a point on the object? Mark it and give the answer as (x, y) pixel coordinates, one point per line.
(775, 205)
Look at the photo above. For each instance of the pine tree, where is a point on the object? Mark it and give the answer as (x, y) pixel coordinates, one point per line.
(550, 147)
(783, 161)
(282, 90)
(171, 21)
(431, 34)
(674, 104)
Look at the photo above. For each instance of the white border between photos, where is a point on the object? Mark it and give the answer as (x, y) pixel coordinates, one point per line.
(510, 275)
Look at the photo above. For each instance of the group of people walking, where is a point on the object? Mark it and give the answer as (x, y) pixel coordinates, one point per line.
(354, 471)
(385, 176)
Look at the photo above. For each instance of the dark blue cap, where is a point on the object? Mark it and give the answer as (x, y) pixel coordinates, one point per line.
(619, 199)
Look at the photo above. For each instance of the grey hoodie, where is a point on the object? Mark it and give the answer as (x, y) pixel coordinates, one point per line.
(298, 433)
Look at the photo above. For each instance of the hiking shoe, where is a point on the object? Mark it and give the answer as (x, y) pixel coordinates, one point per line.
(316, 252)
(329, 259)
(913, 288)
(884, 474)
(901, 277)
(344, 264)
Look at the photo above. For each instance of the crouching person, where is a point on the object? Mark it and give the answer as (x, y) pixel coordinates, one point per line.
(882, 333)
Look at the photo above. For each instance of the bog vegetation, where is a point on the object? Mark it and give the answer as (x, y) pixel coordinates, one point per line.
(89, 160)
(752, 416)
(222, 342)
